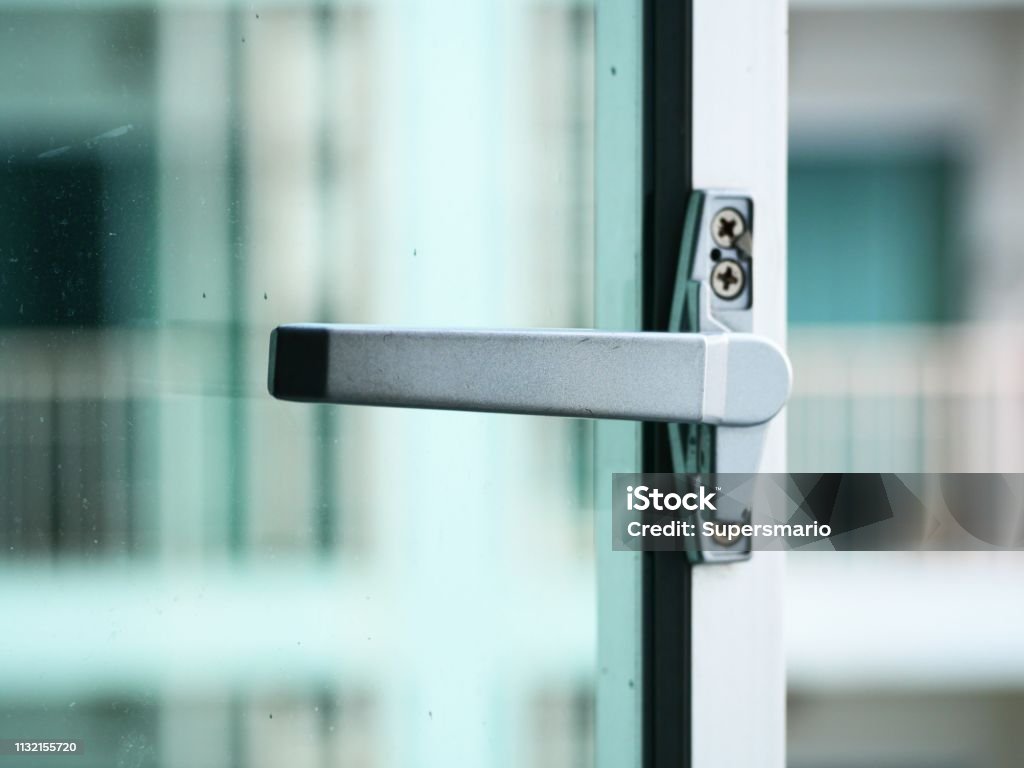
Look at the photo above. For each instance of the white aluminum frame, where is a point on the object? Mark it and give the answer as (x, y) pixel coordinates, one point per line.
(739, 142)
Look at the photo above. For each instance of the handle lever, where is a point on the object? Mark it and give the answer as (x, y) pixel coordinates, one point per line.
(734, 379)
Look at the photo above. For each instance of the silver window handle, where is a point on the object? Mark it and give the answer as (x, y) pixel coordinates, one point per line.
(708, 369)
(708, 377)
(728, 379)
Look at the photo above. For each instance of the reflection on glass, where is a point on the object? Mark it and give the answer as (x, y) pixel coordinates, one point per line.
(194, 574)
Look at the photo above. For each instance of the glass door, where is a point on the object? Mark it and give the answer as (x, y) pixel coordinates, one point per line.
(202, 575)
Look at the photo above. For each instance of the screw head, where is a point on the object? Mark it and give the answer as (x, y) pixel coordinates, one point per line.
(723, 540)
(727, 227)
(728, 279)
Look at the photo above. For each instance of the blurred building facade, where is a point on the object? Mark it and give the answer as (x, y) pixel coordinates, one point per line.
(198, 574)
(906, 286)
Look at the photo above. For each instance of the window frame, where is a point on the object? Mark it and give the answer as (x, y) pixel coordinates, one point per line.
(690, 659)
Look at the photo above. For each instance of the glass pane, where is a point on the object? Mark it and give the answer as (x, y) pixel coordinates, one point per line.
(193, 573)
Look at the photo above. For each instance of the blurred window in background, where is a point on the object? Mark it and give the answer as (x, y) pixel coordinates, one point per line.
(873, 237)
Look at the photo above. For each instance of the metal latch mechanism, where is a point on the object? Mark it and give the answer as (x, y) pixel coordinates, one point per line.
(713, 381)
(714, 296)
